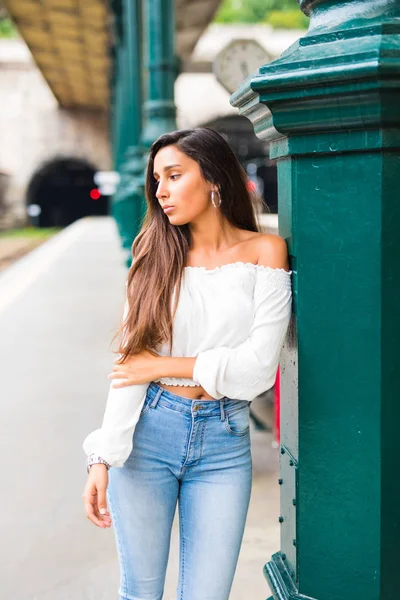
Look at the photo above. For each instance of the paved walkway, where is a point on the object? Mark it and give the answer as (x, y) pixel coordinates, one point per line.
(14, 248)
(59, 308)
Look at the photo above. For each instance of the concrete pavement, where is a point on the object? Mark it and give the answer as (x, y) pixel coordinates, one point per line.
(59, 308)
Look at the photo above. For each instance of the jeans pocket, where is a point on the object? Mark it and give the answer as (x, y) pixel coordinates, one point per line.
(237, 422)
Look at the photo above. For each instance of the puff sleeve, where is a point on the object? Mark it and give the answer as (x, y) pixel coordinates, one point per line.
(114, 440)
(250, 369)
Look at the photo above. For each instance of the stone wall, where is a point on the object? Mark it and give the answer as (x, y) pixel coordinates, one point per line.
(34, 128)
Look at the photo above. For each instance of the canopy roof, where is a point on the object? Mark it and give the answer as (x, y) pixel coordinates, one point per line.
(70, 42)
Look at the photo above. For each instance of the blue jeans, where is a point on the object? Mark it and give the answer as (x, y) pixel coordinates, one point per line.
(196, 453)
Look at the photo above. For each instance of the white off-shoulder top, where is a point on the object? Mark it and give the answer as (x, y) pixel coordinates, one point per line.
(233, 319)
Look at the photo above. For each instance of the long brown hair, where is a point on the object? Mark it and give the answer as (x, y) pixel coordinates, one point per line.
(159, 252)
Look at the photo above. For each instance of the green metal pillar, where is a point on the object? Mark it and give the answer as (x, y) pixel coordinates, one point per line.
(117, 99)
(159, 107)
(113, 108)
(330, 108)
(115, 80)
(128, 200)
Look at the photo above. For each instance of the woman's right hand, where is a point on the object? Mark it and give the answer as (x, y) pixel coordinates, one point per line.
(95, 498)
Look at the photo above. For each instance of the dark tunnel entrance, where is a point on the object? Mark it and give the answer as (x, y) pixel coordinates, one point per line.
(61, 188)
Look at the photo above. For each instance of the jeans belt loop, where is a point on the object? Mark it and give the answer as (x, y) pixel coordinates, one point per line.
(221, 404)
(157, 397)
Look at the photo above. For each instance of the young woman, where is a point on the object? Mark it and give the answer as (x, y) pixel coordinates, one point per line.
(207, 309)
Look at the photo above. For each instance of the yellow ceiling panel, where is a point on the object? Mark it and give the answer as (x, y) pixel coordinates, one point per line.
(100, 41)
(76, 72)
(98, 63)
(103, 95)
(78, 91)
(46, 59)
(76, 64)
(27, 25)
(23, 8)
(62, 31)
(71, 54)
(93, 21)
(94, 10)
(98, 72)
(77, 77)
(68, 43)
(99, 44)
(42, 47)
(60, 88)
(69, 49)
(57, 78)
(80, 97)
(97, 92)
(97, 80)
(63, 19)
(68, 5)
(77, 83)
(38, 39)
(101, 99)
(69, 40)
(94, 29)
(93, 25)
(97, 83)
(76, 80)
(90, 30)
(98, 77)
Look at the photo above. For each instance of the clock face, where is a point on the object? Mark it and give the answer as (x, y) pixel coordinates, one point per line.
(238, 60)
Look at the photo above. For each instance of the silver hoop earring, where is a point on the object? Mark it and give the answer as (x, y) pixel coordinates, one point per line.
(213, 199)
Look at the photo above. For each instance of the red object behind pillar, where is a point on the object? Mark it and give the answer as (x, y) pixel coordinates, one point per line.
(277, 392)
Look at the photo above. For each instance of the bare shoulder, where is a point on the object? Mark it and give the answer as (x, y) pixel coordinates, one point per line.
(272, 251)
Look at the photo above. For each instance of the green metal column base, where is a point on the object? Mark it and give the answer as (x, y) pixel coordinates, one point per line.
(280, 580)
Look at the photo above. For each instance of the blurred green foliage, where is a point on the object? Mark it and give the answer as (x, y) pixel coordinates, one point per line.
(30, 232)
(278, 13)
(287, 19)
(7, 29)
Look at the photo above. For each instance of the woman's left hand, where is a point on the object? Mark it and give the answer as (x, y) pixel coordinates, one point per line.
(137, 368)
